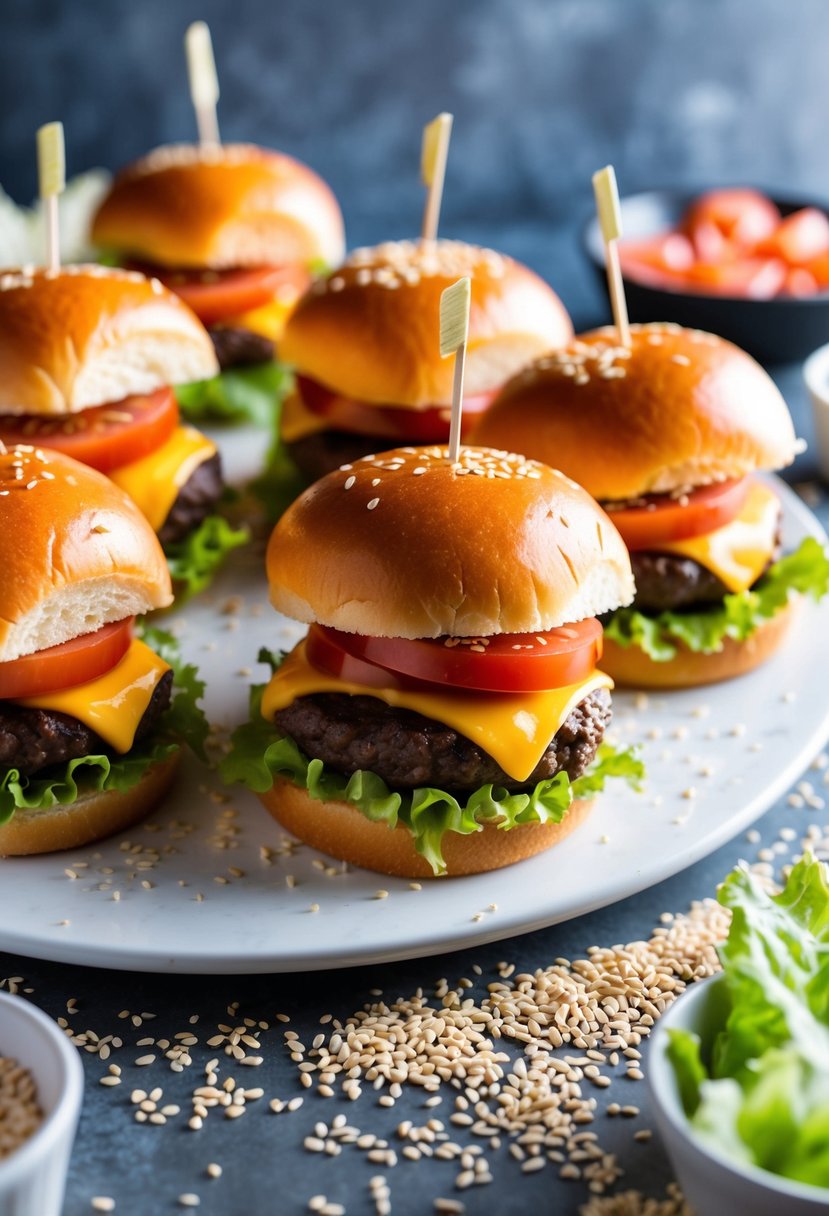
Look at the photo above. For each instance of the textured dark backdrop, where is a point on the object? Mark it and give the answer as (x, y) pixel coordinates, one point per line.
(544, 91)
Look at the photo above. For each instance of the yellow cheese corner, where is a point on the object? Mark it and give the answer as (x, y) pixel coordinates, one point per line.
(153, 482)
(515, 729)
(114, 704)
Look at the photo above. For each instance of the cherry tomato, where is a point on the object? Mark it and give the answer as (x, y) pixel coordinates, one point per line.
(65, 666)
(670, 251)
(423, 425)
(509, 662)
(742, 216)
(215, 295)
(801, 282)
(756, 278)
(799, 237)
(105, 436)
(663, 518)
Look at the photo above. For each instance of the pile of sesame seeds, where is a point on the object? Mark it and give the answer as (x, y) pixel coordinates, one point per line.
(28, 275)
(417, 461)
(170, 156)
(606, 359)
(21, 468)
(20, 1114)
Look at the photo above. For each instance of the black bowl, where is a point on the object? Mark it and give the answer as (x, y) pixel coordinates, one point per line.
(779, 330)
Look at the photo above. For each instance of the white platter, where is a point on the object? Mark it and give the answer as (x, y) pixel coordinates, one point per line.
(716, 759)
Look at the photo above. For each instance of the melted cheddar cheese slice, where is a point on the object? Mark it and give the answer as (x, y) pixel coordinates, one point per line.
(114, 704)
(515, 729)
(296, 420)
(153, 482)
(269, 320)
(739, 552)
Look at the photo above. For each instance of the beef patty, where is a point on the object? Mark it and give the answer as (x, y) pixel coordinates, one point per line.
(321, 453)
(666, 582)
(196, 499)
(32, 739)
(240, 347)
(408, 750)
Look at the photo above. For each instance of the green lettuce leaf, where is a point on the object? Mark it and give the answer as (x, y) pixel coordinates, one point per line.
(758, 1089)
(239, 394)
(258, 753)
(194, 560)
(806, 571)
(183, 724)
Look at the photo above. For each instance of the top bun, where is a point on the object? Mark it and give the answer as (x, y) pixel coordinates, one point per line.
(75, 551)
(184, 205)
(371, 330)
(409, 545)
(89, 335)
(680, 408)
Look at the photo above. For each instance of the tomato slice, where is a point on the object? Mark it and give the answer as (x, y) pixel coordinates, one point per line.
(105, 436)
(742, 216)
(429, 424)
(65, 666)
(662, 518)
(799, 237)
(215, 295)
(506, 662)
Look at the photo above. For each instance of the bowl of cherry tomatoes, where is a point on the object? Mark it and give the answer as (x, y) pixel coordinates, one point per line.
(746, 265)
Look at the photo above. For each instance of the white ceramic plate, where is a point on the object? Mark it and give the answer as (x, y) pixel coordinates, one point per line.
(204, 886)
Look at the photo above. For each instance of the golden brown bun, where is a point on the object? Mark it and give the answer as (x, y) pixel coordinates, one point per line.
(91, 335)
(234, 205)
(343, 832)
(91, 817)
(681, 408)
(370, 330)
(408, 545)
(631, 667)
(75, 553)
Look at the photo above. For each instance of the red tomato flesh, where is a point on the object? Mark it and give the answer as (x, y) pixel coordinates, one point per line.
(429, 424)
(662, 518)
(105, 436)
(507, 663)
(68, 665)
(215, 295)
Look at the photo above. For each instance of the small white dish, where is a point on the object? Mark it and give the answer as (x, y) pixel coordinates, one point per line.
(816, 375)
(33, 1178)
(713, 1183)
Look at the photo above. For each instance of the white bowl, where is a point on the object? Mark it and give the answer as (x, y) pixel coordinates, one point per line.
(33, 1178)
(816, 375)
(714, 1184)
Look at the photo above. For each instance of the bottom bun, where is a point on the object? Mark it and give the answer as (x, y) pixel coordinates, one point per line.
(91, 817)
(629, 665)
(341, 831)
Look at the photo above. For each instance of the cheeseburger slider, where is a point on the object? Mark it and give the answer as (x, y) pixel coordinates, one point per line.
(668, 435)
(369, 375)
(88, 738)
(238, 232)
(445, 712)
(87, 359)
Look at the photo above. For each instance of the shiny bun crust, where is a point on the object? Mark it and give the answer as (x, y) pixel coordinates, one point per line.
(234, 205)
(630, 666)
(370, 330)
(680, 408)
(91, 817)
(408, 545)
(89, 336)
(75, 553)
(343, 832)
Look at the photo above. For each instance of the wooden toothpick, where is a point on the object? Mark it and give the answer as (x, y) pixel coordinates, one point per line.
(610, 222)
(51, 173)
(434, 150)
(454, 332)
(204, 83)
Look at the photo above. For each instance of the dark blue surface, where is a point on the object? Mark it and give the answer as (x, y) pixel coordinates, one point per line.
(544, 91)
